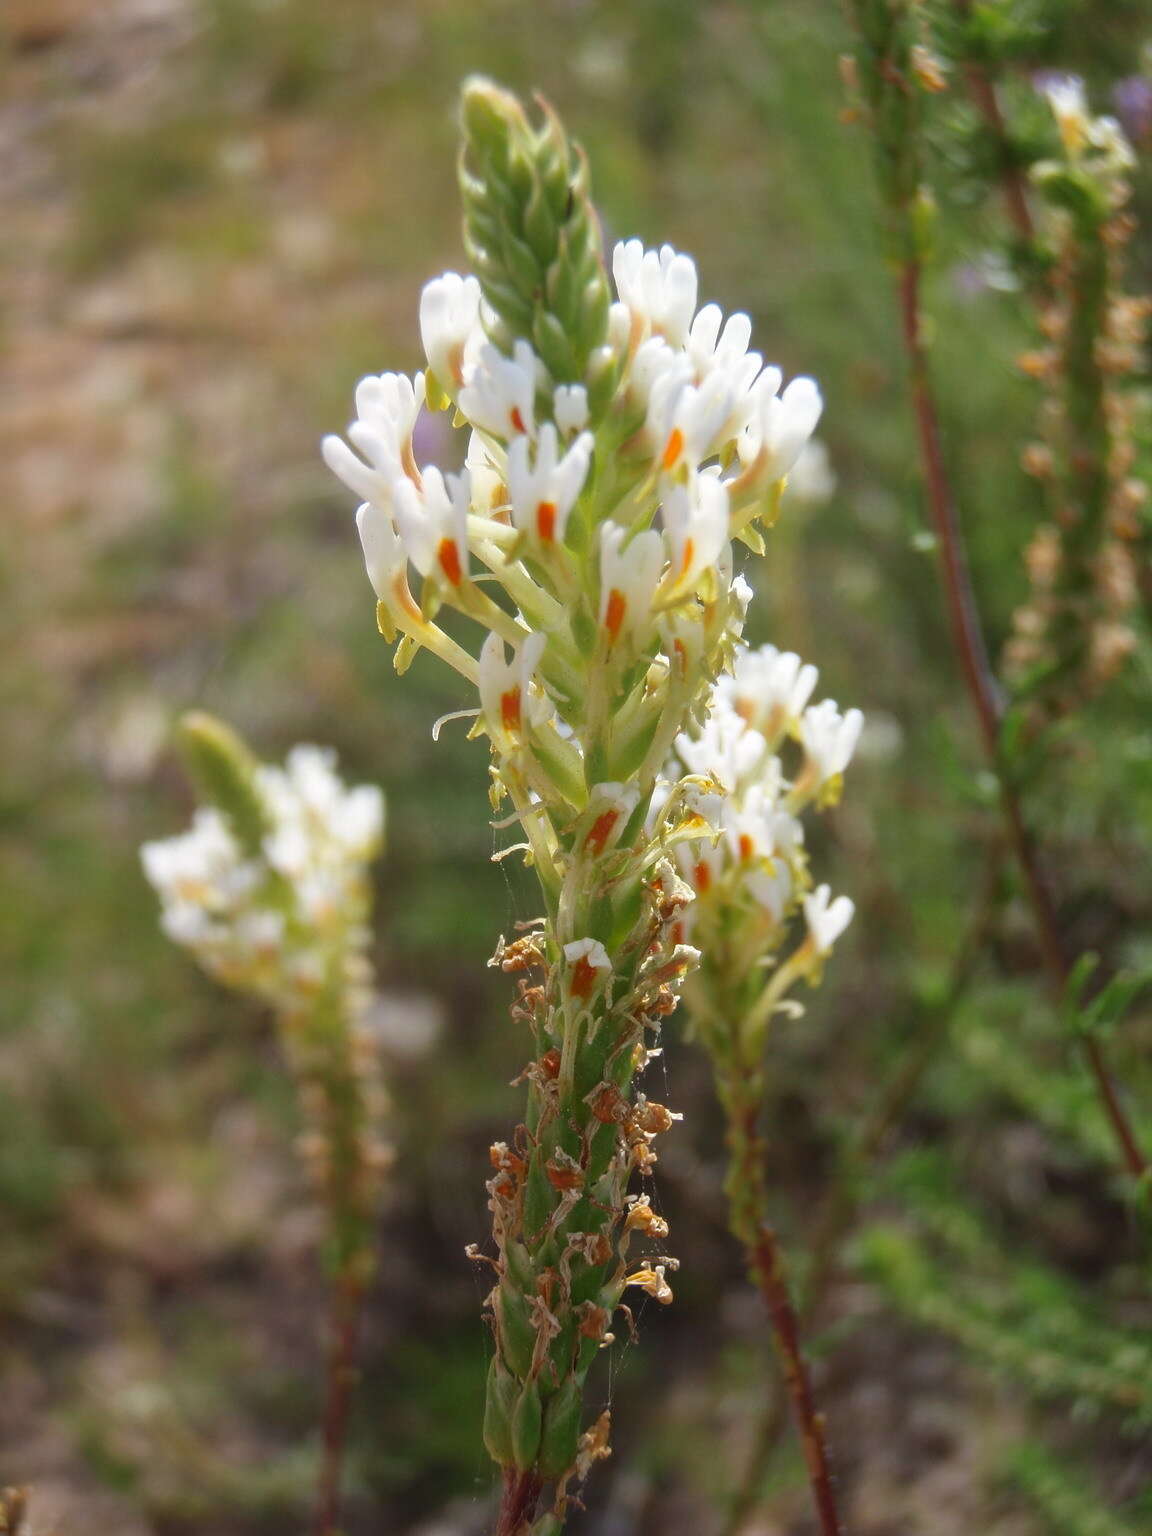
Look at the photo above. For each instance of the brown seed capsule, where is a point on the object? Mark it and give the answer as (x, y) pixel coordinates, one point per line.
(550, 1064)
(564, 1174)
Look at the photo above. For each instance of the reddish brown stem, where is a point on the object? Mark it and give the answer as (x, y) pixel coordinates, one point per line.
(968, 641)
(768, 1268)
(343, 1338)
(518, 1504)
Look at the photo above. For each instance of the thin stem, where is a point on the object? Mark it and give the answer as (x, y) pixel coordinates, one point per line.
(748, 1216)
(343, 1336)
(968, 641)
(518, 1502)
(837, 1211)
(1013, 184)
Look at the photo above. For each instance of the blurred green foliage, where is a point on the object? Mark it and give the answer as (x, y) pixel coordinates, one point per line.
(222, 219)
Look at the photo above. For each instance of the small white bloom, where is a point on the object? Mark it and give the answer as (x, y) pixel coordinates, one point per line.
(509, 699)
(659, 288)
(589, 961)
(769, 689)
(450, 327)
(629, 574)
(826, 921)
(499, 396)
(778, 425)
(688, 422)
(811, 480)
(696, 531)
(387, 406)
(433, 524)
(543, 492)
(385, 557)
(715, 350)
(570, 408)
(829, 738)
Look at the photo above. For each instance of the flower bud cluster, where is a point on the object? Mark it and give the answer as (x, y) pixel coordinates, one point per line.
(750, 875)
(286, 920)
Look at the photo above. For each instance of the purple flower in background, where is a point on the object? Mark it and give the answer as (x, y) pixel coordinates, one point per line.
(1132, 98)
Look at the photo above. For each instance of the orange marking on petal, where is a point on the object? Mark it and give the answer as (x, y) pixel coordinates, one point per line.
(689, 556)
(747, 847)
(404, 598)
(583, 978)
(673, 448)
(615, 611)
(516, 419)
(601, 830)
(449, 557)
(510, 709)
(702, 875)
(546, 521)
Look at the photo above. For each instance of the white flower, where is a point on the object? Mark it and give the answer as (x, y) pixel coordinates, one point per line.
(387, 406)
(826, 922)
(725, 749)
(696, 531)
(570, 408)
(385, 557)
(715, 350)
(590, 963)
(450, 327)
(778, 425)
(688, 422)
(768, 689)
(499, 396)
(433, 524)
(508, 700)
(629, 573)
(659, 288)
(543, 492)
(829, 738)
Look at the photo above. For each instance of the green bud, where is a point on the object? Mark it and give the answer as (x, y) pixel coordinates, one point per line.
(561, 1433)
(498, 1406)
(532, 234)
(527, 1424)
(514, 1327)
(224, 772)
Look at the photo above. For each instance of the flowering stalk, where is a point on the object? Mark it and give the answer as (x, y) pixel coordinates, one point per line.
(617, 448)
(1076, 633)
(891, 71)
(751, 880)
(269, 892)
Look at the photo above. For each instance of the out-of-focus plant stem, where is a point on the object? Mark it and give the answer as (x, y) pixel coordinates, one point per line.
(836, 1213)
(345, 1306)
(888, 83)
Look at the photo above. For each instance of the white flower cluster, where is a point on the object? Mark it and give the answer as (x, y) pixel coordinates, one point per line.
(1096, 144)
(287, 920)
(752, 874)
(611, 538)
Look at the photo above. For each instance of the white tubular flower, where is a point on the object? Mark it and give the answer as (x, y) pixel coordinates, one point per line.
(508, 704)
(712, 349)
(689, 422)
(659, 288)
(544, 492)
(829, 740)
(696, 531)
(385, 559)
(500, 394)
(450, 327)
(609, 807)
(570, 408)
(826, 920)
(433, 524)
(590, 965)
(487, 478)
(387, 406)
(201, 868)
(778, 426)
(725, 749)
(629, 574)
(769, 689)
(773, 889)
(757, 829)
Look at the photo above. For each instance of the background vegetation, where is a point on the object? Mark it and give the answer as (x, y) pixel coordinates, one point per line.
(217, 215)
